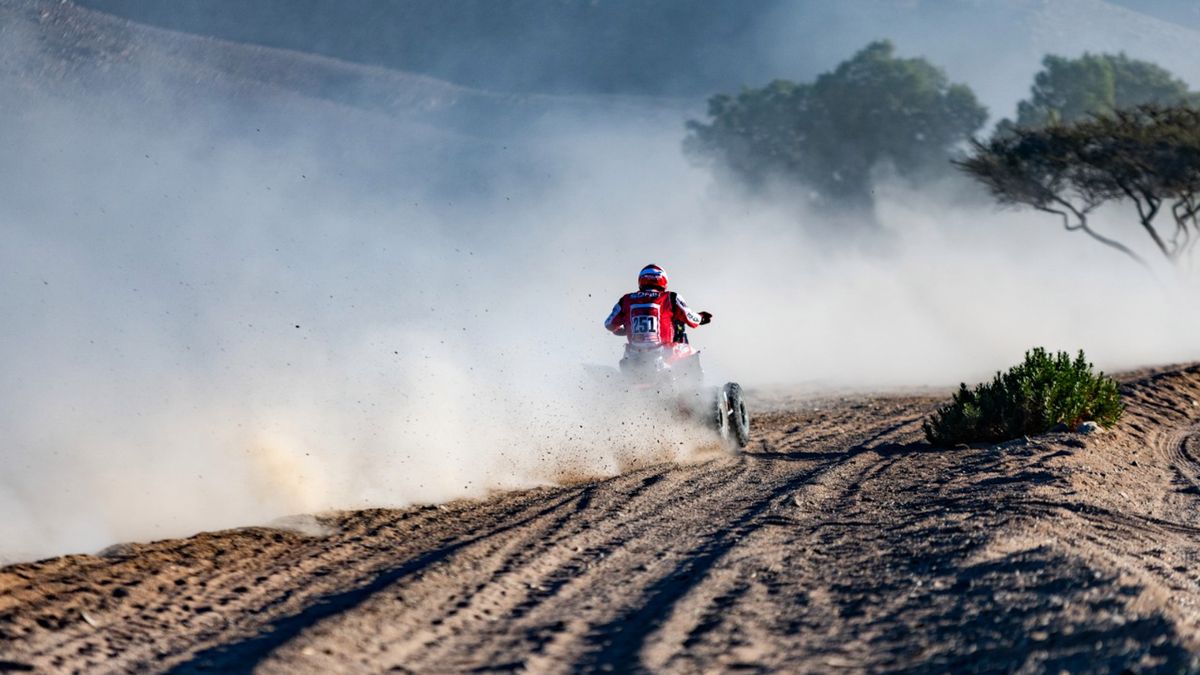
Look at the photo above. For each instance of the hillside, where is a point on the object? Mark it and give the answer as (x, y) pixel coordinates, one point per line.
(61, 48)
(681, 48)
(567, 46)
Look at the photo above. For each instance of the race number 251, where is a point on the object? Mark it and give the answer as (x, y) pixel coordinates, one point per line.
(645, 324)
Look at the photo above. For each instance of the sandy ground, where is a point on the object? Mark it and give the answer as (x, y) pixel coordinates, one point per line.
(838, 541)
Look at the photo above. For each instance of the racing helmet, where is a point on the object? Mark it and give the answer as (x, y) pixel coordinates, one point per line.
(652, 276)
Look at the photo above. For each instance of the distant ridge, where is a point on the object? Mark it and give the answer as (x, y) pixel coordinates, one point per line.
(681, 48)
(53, 43)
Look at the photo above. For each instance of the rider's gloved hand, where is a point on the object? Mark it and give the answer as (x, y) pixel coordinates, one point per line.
(621, 332)
(705, 317)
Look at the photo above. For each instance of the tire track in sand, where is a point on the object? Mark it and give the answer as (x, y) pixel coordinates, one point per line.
(840, 541)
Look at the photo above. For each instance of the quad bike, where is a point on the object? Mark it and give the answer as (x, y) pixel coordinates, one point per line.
(672, 375)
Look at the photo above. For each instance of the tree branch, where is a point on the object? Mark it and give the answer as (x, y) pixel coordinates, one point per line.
(1145, 215)
(1082, 224)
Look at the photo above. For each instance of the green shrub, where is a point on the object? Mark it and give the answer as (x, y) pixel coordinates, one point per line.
(1031, 398)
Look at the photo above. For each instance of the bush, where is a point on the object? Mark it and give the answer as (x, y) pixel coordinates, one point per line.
(1031, 398)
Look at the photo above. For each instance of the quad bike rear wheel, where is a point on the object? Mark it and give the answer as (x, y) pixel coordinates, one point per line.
(738, 419)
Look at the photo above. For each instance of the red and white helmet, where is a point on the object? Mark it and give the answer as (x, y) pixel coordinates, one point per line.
(652, 276)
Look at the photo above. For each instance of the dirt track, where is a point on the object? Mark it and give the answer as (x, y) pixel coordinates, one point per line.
(838, 541)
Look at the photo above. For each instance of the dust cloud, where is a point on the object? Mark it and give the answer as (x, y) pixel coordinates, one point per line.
(219, 317)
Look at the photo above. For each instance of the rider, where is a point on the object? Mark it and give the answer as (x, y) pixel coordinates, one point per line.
(653, 317)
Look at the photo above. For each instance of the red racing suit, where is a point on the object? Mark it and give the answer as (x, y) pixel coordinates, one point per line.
(647, 318)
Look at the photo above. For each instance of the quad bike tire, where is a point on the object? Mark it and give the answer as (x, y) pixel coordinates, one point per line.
(721, 417)
(738, 417)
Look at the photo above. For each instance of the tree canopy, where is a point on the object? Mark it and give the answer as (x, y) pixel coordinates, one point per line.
(1148, 156)
(1065, 89)
(830, 134)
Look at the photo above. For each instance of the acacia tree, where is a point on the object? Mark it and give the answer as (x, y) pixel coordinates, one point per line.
(1148, 155)
(829, 134)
